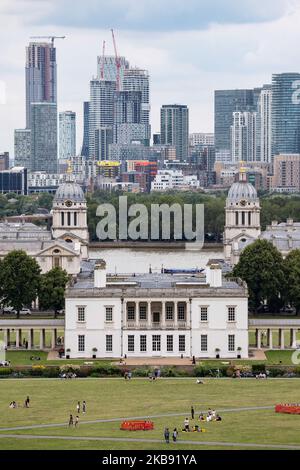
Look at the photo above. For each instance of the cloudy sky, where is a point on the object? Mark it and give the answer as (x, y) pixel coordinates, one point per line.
(190, 47)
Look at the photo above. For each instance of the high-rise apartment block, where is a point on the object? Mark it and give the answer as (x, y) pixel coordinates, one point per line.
(43, 137)
(23, 147)
(67, 135)
(243, 137)
(174, 128)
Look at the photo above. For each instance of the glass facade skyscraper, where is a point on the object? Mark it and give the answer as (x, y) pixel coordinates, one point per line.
(285, 113)
(86, 117)
(67, 135)
(43, 127)
(226, 103)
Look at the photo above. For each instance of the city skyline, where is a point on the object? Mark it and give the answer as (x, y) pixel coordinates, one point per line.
(208, 57)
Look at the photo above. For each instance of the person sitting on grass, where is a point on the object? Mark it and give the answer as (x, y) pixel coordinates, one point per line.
(218, 418)
(201, 417)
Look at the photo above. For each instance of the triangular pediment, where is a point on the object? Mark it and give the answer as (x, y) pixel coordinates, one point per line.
(64, 250)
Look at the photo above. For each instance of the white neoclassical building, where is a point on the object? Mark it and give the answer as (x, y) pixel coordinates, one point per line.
(66, 245)
(242, 213)
(156, 315)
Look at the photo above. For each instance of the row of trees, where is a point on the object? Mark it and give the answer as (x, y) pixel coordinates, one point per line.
(21, 283)
(271, 280)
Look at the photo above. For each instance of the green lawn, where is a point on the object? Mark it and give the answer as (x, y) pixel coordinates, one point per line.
(53, 400)
(22, 358)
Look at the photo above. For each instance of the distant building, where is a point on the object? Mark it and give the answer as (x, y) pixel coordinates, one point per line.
(166, 180)
(264, 125)
(14, 181)
(285, 113)
(109, 68)
(43, 137)
(156, 139)
(137, 80)
(174, 129)
(201, 138)
(243, 137)
(41, 79)
(4, 161)
(103, 140)
(67, 135)
(286, 176)
(86, 118)
(129, 125)
(23, 148)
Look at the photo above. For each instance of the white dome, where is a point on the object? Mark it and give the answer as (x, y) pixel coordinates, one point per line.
(242, 191)
(69, 191)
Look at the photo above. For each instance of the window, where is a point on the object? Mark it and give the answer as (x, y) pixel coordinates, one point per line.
(143, 343)
(156, 317)
(130, 312)
(181, 312)
(181, 343)
(169, 312)
(69, 218)
(143, 312)
(131, 343)
(109, 343)
(81, 343)
(236, 218)
(108, 314)
(75, 219)
(231, 314)
(156, 343)
(169, 343)
(231, 343)
(204, 343)
(81, 314)
(204, 314)
(249, 218)
(62, 218)
(243, 218)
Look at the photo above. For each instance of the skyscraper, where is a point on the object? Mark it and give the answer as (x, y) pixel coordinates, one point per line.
(243, 137)
(285, 113)
(67, 135)
(41, 80)
(264, 125)
(137, 80)
(226, 103)
(174, 128)
(128, 125)
(86, 123)
(43, 127)
(23, 148)
(103, 140)
(101, 108)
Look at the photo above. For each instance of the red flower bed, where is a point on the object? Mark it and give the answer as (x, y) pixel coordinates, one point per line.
(137, 426)
(291, 409)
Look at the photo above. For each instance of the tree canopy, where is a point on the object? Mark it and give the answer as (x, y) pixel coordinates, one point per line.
(52, 289)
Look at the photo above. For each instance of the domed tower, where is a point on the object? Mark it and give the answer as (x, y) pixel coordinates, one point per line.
(242, 225)
(70, 213)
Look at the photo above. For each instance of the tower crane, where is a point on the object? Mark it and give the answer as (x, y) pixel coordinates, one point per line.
(48, 37)
(118, 61)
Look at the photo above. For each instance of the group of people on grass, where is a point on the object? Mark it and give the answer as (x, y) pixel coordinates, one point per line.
(211, 415)
(14, 404)
(74, 421)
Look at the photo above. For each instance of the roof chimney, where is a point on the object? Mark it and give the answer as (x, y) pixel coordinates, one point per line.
(214, 274)
(100, 274)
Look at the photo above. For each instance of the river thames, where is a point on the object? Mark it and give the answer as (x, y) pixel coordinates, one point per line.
(130, 260)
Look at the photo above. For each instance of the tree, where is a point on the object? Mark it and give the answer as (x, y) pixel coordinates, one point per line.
(19, 280)
(52, 289)
(292, 274)
(261, 266)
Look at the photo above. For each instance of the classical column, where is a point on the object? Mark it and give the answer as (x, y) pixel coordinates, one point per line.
(17, 338)
(5, 337)
(281, 339)
(149, 314)
(29, 337)
(137, 313)
(270, 339)
(163, 314)
(258, 339)
(42, 339)
(53, 338)
(176, 314)
(293, 338)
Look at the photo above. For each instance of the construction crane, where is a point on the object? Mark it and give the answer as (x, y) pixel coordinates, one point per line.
(102, 65)
(118, 61)
(48, 37)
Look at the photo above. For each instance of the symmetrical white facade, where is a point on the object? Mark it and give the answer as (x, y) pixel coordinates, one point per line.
(156, 316)
(172, 179)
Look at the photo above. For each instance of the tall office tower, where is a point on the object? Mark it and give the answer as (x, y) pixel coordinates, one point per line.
(101, 109)
(4, 161)
(23, 148)
(67, 135)
(243, 137)
(43, 127)
(138, 80)
(109, 68)
(174, 128)
(41, 81)
(85, 143)
(128, 125)
(285, 113)
(103, 140)
(226, 103)
(264, 125)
